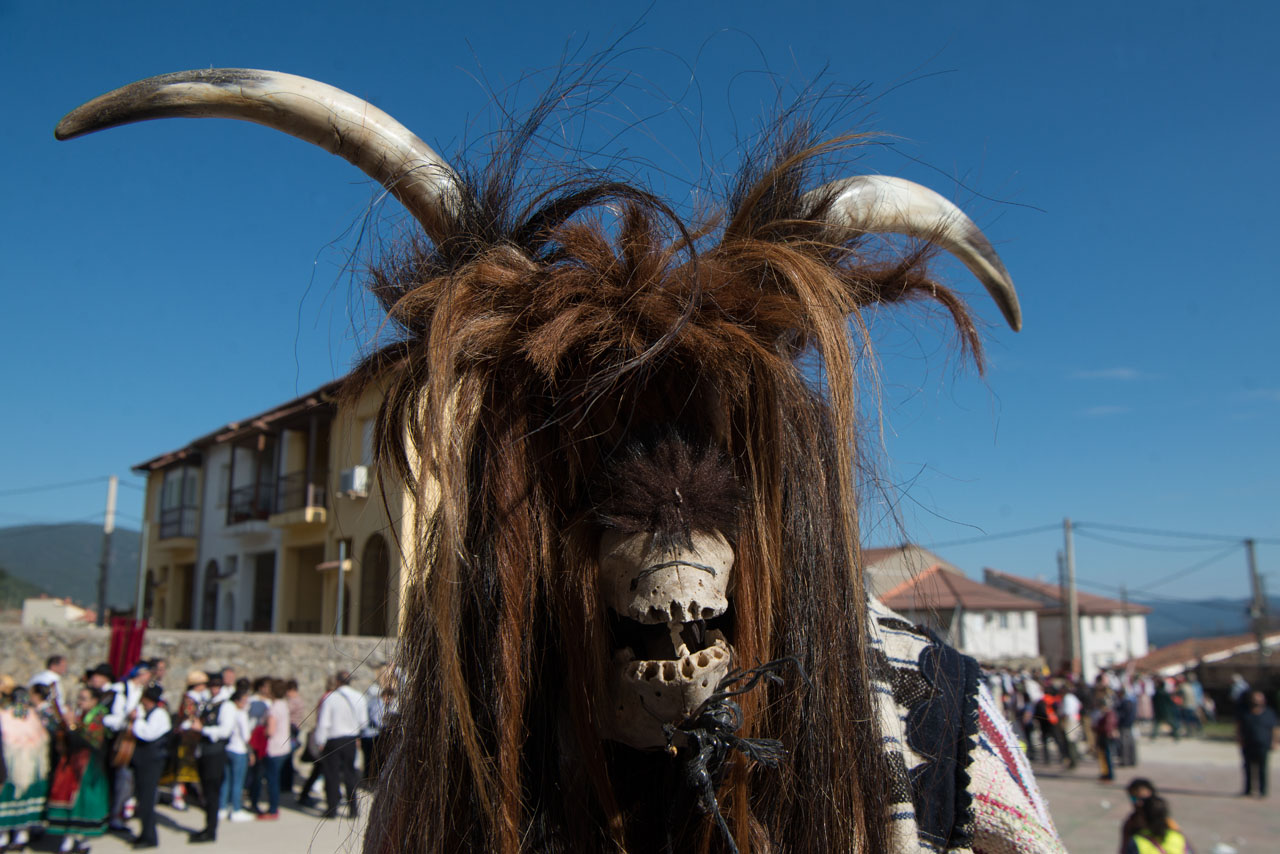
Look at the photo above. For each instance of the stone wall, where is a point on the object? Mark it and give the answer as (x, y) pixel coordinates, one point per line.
(307, 658)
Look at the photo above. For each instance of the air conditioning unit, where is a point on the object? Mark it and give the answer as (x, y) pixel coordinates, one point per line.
(354, 482)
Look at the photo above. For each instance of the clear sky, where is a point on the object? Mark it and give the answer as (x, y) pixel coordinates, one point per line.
(165, 278)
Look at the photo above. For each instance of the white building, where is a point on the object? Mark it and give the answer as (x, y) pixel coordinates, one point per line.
(47, 612)
(993, 626)
(1111, 632)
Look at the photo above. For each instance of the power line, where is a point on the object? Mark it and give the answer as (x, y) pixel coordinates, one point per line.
(1102, 538)
(1193, 568)
(51, 486)
(1154, 532)
(1004, 536)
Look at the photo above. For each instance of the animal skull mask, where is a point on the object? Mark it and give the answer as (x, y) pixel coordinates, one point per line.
(666, 509)
(668, 593)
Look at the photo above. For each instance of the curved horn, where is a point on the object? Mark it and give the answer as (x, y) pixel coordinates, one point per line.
(879, 203)
(335, 120)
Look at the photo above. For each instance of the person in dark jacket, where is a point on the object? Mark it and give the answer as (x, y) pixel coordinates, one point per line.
(1127, 713)
(151, 726)
(1257, 735)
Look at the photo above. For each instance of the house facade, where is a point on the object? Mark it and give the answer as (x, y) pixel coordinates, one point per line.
(883, 569)
(994, 626)
(1111, 632)
(247, 524)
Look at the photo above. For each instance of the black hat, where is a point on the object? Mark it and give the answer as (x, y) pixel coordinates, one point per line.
(153, 692)
(102, 669)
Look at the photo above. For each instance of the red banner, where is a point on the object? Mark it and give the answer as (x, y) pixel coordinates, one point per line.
(126, 644)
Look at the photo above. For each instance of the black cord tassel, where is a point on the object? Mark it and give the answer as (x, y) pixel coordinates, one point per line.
(710, 736)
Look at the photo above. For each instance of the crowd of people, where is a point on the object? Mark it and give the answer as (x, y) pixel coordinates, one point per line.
(1061, 719)
(85, 759)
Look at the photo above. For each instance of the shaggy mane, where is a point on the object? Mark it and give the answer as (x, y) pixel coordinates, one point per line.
(537, 343)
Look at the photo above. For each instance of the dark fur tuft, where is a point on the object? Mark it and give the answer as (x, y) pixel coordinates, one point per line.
(669, 487)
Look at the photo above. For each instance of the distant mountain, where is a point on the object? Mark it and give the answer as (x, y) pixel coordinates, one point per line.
(14, 590)
(62, 560)
(1170, 622)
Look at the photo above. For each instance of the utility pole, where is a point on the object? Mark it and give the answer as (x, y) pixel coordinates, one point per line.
(1258, 610)
(1073, 608)
(104, 565)
(342, 583)
(1066, 624)
(1124, 617)
(140, 602)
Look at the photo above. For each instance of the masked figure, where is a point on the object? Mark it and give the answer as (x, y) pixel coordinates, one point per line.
(637, 620)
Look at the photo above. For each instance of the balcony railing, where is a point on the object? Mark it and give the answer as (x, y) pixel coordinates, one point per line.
(294, 491)
(249, 502)
(178, 522)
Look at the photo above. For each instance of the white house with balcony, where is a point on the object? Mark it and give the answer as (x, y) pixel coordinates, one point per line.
(1111, 632)
(247, 524)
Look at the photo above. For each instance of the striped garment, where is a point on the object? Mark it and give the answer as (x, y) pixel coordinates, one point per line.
(959, 782)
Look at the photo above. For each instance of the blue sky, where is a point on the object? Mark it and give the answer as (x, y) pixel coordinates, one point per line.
(164, 278)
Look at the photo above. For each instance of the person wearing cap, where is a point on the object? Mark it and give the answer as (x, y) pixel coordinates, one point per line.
(151, 725)
(127, 697)
(181, 770)
(213, 721)
(99, 677)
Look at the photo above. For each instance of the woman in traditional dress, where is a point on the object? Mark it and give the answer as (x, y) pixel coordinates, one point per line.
(79, 800)
(181, 772)
(25, 743)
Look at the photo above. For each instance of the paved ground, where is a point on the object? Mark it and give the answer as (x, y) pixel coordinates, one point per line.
(1200, 778)
(296, 831)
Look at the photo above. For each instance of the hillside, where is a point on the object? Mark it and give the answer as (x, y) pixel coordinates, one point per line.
(62, 560)
(1170, 622)
(14, 590)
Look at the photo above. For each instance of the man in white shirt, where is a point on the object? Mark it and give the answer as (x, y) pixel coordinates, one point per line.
(214, 721)
(343, 715)
(151, 725)
(128, 696)
(55, 667)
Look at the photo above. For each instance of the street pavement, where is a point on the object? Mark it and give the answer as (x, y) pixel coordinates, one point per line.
(1201, 780)
(295, 832)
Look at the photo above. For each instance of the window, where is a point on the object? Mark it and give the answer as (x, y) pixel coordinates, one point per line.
(366, 441)
(1004, 619)
(1022, 619)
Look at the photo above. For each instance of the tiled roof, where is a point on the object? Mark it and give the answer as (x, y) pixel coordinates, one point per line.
(939, 590)
(1086, 603)
(267, 420)
(1187, 652)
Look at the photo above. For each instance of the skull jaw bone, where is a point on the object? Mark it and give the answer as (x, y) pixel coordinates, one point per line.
(672, 587)
(649, 695)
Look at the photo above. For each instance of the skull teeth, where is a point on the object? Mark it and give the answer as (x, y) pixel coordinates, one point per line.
(686, 667)
(677, 642)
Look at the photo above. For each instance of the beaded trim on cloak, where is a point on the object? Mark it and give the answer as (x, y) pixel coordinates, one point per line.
(935, 727)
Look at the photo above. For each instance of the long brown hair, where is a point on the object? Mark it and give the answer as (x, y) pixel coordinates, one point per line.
(535, 343)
